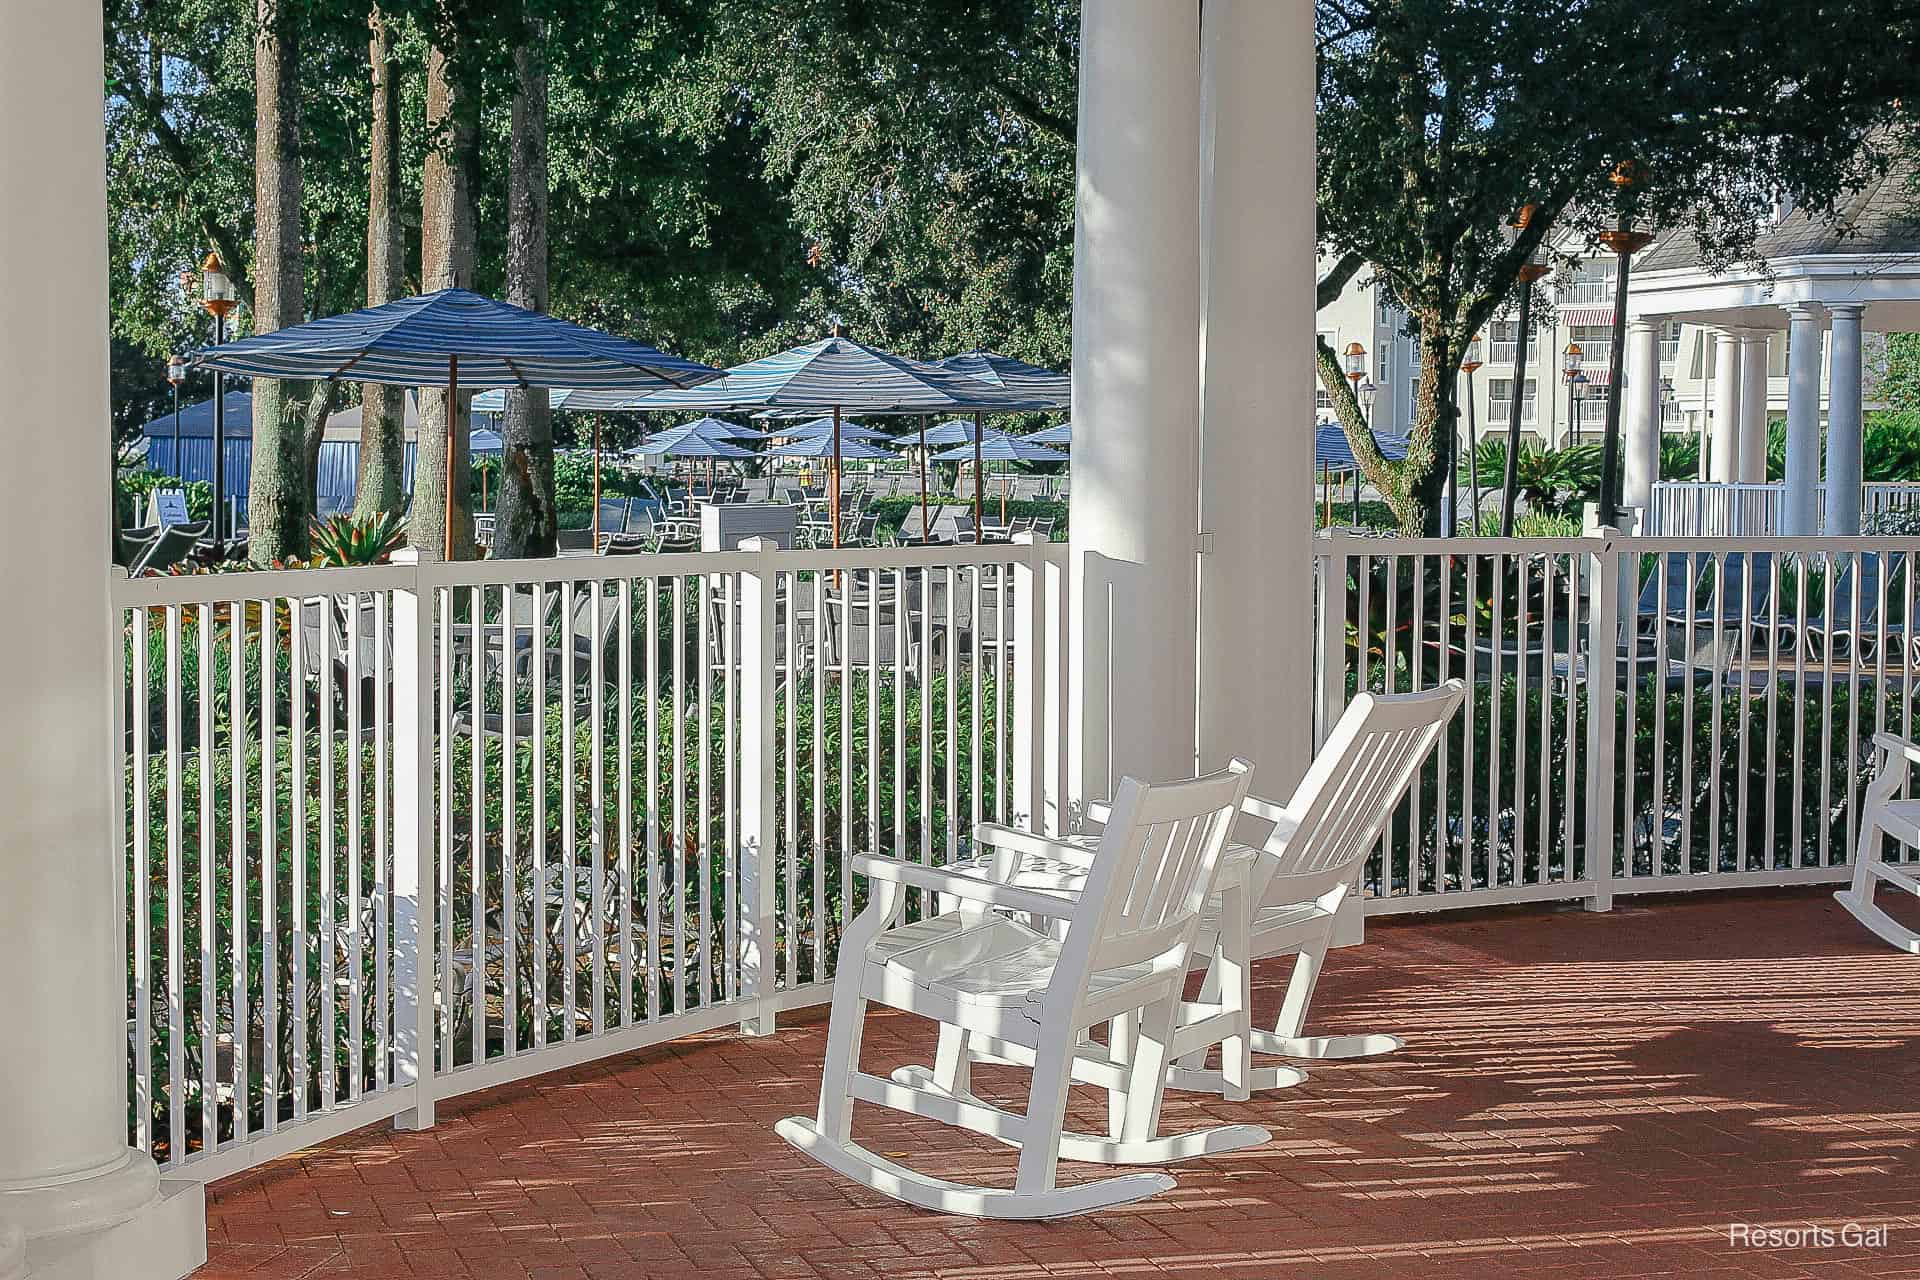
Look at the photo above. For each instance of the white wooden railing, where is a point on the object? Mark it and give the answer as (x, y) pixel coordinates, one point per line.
(399, 833)
(1711, 509)
(1645, 714)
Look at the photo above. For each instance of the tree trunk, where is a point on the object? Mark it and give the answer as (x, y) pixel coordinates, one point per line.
(1430, 437)
(277, 491)
(446, 262)
(379, 487)
(528, 523)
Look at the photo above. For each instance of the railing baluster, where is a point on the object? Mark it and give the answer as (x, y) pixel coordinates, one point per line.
(176, 928)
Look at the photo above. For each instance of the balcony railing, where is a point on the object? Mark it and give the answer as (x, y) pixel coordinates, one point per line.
(396, 834)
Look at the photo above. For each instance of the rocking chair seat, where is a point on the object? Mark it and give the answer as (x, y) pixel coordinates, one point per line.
(991, 962)
(1901, 820)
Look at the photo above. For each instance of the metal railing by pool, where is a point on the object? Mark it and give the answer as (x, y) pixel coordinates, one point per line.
(1645, 714)
(400, 833)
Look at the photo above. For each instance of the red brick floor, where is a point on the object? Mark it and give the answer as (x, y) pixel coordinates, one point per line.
(1581, 1095)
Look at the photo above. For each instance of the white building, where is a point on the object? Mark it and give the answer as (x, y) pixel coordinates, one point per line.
(1720, 358)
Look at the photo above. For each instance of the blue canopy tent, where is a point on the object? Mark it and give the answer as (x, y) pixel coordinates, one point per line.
(1332, 453)
(441, 338)
(840, 375)
(337, 466)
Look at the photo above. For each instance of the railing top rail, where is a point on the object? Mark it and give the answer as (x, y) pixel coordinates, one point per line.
(1768, 542)
(211, 588)
(1354, 544)
(596, 568)
(263, 584)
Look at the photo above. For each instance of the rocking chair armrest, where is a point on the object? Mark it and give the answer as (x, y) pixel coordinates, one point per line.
(1901, 751)
(940, 880)
(1025, 844)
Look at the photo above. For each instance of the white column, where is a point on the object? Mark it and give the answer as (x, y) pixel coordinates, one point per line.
(1843, 420)
(1753, 406)
(1799, 517)
(1136, 394)
(85, 1203)
(1725, 443)
(1256, 572)
(1641, 413)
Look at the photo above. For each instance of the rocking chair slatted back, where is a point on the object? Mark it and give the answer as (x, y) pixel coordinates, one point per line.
(1155, 866)
(1349, 792)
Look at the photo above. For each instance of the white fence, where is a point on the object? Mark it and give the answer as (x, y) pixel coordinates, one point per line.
(396, 834)
(1710, 509)
(1644, 714)
(400, 833)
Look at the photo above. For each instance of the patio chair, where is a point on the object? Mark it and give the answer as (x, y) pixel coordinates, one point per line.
(131, 544)
(1124, 952)
(174, 543)
(1848, 628)
(1886, 814)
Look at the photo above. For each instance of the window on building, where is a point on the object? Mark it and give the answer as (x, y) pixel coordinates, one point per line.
(1500, 401)
(1589, 282)
(1503, 341)
(1322, 401)
(1596, 343)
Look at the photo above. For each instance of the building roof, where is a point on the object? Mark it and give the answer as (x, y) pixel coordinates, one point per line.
(1879, 218)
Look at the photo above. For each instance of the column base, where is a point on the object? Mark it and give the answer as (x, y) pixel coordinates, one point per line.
(166, 1240)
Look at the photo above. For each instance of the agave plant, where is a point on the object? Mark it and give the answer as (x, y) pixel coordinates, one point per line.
(342, 541)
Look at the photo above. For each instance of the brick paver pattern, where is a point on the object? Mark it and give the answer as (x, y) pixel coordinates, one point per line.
(1581, 1094)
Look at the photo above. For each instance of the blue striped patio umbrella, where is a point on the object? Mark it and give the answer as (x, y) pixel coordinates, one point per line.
(455, 338)
(1004, 449)
(1017, 376)
(960, 431)
(1059, 435)
(842, 376)
(713, 429)
(824, 427)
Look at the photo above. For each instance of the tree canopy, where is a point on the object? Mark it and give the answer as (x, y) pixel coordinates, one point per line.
(1439, 119)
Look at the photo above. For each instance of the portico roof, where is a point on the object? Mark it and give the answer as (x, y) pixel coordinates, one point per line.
(1864, 252)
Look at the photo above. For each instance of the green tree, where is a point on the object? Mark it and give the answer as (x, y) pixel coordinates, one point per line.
(1440, 118)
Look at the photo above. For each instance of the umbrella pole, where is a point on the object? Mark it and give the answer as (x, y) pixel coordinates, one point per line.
(1006, 483)
(596, 482)
(453, 414)
(926, 529)
(979, 482)
(833, 479)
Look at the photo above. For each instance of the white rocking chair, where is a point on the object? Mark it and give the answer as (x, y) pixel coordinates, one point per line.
(1124, 954)
(1297, 880)
(1886, 815)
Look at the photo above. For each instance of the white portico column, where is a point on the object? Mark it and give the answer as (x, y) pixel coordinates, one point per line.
(1753, 406)
(84, 1202)
(1642, 413)
(1136, 395)
(1843, 420)
(1256, 567)
(1725, 443)
(1799, 517)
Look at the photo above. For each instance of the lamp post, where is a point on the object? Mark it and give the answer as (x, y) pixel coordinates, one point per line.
(1569, 369)
(176, 374)
(216, 295)
(1472, 361)
(1624, 241)
(1529, 272)
(1364, 391)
